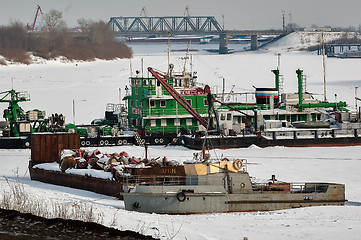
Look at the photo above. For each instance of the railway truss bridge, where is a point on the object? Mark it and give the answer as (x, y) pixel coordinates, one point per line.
(184, 25)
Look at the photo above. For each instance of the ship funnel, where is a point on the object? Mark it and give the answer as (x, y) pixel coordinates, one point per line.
(277, 79)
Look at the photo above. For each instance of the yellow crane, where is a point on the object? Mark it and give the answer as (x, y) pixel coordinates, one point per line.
(186, 11)
(144, 12)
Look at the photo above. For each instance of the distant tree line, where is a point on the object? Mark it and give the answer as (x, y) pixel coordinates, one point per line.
(89, 41)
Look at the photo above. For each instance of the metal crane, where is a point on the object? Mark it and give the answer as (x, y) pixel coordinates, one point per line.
(21, 123)
(31, 28)
(143, 12)
(162, 78)
(186, 11)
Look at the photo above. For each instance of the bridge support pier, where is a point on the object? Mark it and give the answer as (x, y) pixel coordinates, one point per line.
(254, 42)
(223, 43)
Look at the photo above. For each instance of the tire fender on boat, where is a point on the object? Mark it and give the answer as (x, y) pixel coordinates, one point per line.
(238, 164)
(243, 185)
(181, 196)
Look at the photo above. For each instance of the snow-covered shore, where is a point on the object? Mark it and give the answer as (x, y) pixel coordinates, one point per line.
(338, 164)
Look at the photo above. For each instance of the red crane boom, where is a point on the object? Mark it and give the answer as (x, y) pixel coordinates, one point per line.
(179, 98)
(31, 28)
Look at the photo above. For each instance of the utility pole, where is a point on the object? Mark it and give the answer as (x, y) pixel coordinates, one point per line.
(356, 97)
(283, 21)
(291, 24)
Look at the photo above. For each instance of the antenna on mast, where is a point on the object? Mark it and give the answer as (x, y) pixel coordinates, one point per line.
(168, 53)
(278, 60)
(186, 57)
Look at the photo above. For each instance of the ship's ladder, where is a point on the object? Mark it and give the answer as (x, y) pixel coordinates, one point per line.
(281, 82)
(139, 141)
(304, 83)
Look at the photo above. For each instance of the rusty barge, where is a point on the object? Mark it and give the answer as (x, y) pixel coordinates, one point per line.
(46, 150)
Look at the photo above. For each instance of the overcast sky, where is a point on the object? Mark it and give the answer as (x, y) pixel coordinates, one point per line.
(238, 14)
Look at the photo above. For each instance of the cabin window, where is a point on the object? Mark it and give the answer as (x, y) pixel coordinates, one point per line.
(186, 82)
(191, 83)
(318, 116)
(139, 82)
(162, 103)
(136, 103)
(158, 83)
(131, 103)
(163, 122)
(133, 82)
(145, 82)
(175, 83)
(189, 121)
(223, 117)
(151, 82)
(229, 116)
(189, 101)
(205, 102)
(153, 123)
(176, 122)
(152, 103)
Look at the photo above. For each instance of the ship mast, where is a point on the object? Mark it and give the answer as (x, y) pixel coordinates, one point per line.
(324, 68)
(186, 57)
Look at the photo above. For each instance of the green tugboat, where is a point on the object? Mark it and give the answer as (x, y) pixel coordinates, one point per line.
(166, 103)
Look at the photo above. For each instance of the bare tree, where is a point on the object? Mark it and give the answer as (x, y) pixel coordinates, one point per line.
(13, 36)
(53, 27)
(100, 33)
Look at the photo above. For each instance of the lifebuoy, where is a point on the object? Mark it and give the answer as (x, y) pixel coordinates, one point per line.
(181, 196)
(243, 185)
(156, 140)
(106, 142)
(82, 143)
(101, 142)
(161, 140)
(27, 144)
(238, 164)
(87, 143)
(125, 142)
(120, 142)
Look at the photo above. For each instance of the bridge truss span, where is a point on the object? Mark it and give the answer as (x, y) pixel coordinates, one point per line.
(165, 25)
